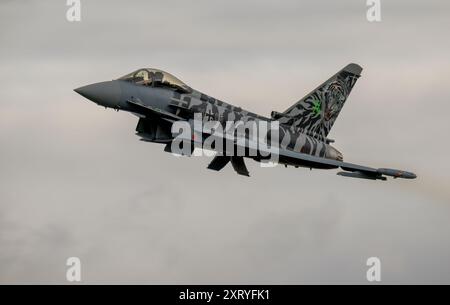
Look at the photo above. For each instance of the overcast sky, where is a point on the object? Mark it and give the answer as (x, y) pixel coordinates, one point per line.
(76, 181)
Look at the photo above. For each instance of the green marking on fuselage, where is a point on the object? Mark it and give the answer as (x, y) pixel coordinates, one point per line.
(317, 107)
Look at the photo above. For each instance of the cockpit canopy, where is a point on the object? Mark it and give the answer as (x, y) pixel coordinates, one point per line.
(156, 78)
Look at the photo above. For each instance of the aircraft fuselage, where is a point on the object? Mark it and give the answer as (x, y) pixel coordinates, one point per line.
(185, 104)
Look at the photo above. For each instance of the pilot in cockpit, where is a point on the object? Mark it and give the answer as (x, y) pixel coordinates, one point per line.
(142, 77)
(156, 78)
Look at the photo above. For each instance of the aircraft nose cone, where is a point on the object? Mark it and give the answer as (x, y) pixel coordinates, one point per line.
(105, 93)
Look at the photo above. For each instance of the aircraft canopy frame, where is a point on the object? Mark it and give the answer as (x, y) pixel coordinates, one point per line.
(155, 78)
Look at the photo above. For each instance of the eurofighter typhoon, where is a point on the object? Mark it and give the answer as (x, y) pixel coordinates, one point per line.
(162, 102)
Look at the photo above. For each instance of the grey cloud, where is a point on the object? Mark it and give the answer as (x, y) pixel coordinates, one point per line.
(75, 181)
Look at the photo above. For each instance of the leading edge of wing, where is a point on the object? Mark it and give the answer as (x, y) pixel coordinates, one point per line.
(351, 170)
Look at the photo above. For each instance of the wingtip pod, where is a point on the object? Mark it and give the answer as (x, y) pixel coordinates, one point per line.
(396, 173)
(380, 174)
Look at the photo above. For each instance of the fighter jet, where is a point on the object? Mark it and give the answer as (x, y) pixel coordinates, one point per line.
(160, 100)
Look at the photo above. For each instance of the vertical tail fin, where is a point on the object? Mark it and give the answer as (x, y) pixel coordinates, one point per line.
(316, 112)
